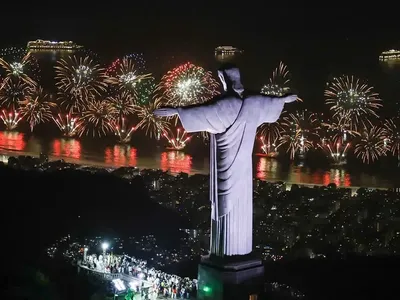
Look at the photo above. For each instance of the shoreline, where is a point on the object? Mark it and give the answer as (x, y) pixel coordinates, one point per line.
(103, 165)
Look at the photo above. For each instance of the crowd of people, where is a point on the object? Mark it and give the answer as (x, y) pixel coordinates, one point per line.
(152, 282)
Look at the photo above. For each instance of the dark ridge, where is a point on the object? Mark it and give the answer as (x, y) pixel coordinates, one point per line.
(40, 207)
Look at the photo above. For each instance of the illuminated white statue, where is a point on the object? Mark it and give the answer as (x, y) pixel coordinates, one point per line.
(232, 120)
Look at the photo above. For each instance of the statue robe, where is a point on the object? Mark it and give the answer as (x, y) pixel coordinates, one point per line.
(232, 122)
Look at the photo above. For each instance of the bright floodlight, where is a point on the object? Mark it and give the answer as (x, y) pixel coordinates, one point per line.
(119, 284)
(104, 246)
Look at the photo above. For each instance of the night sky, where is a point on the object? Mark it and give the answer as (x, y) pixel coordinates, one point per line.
(316, 42)
(169, 26)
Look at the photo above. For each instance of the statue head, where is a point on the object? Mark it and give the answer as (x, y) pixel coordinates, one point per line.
(230, 79)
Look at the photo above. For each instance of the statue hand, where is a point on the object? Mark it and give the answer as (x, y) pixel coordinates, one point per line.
(165, 112)
(290, 98)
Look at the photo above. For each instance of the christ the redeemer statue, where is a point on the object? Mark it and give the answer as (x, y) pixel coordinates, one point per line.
(232, 120)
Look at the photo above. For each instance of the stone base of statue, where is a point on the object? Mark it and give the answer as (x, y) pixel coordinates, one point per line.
(230, 278)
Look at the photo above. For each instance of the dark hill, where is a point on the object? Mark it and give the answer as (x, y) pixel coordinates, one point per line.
(39, 207)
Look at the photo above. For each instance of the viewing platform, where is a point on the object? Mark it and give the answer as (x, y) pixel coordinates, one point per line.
(111, 276)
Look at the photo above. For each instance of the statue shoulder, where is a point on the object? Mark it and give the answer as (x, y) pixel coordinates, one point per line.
(252, 98)
(230, 100)
(251, 95)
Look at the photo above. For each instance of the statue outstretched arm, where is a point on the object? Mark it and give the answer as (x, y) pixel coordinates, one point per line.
(289, 98)
(165, 112)
(271, 107)
(196, 118)
(201, 118)
(214, 116)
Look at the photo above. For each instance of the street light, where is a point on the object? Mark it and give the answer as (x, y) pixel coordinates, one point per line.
(104, 246)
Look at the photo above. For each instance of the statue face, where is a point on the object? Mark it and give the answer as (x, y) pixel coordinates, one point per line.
(222, 79)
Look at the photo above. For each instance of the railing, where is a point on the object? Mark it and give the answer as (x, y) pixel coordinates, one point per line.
(111, 276)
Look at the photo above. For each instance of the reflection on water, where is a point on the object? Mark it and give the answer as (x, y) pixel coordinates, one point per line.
(266, 167)
(97, 153)
(12, 141)
(391, 64)
(48, 55)
(176, 162)
(69, 148)
(338, 177)
(121, 155)
(323, 177)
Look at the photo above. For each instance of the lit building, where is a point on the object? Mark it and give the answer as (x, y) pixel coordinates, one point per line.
(390, 55)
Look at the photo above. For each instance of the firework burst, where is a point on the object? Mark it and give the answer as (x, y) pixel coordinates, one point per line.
(177, 141)
(126, 77)
(304, 121)
(145, 90)
(350, 98)
(279, 82)
(96, 119)
(335, 151)
(79, 80)
(154, 126)
(267, 147)
(204, 135)
(372, 144)
(37, 108)
(295, 143)
(137, 58)
(10, 119)
(14, 53)
(72, 103)
(112, 68)
(121, 130)
(13, 92)
(122, 104)
(187, 84)
(338, 129)
(299, 132)
(269, 135)
(69, 126)
(392, 127)
(18, 67)
(83, 52)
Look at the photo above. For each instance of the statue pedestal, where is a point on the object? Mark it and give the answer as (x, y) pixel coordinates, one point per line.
(237, 280)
